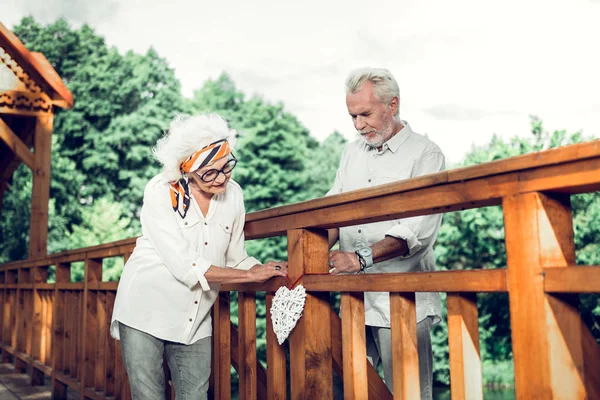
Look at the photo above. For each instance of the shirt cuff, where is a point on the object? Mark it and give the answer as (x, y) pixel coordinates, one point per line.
(196, 274)
(247, 263)
(405, 233)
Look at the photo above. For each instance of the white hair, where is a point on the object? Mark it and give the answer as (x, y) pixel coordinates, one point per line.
(186, 135)
(384, 84)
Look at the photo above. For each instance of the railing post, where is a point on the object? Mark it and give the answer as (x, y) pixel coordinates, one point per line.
(276, 368)
(221, 355)
(23, 317)
(547, 329)
(89, 332)
(247, 345)
(405, 355)
(310, 341)
(463, 342)
(354, 348)
(63, 275)
(9, 317)
(40, 275)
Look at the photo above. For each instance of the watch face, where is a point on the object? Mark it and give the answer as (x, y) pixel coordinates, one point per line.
(365, 252)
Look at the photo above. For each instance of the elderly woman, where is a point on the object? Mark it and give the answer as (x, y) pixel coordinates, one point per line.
(192, 241)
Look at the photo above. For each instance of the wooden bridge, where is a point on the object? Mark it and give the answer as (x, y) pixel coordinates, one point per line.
(60, 330)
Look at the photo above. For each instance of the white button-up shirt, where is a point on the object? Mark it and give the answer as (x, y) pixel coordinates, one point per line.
(163, 290)
(406, 155)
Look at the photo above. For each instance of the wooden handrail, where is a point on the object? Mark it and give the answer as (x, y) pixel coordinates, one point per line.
(61, 329)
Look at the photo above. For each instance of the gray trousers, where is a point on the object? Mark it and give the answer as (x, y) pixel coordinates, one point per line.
(143, 359)
(379, 347)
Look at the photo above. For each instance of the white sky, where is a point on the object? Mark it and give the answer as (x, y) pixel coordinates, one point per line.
(466, 68)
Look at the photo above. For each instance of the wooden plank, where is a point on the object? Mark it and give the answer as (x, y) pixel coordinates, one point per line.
(38, 233)
(36, 325)
(538, 160)
(489, 280)
(68, 380)
(377, 388)
(70, 286)
(270, 286)
(102, 332)
(572, 177)
(103, 286)
(110, 348)
(463, 342)
(125, 246)
(354, 346)
(50, 321)
(44, 349)
(247, 345)
(58, 389)
(572, 279)
(58, 331)
(16, 145)
(62, 275)
(310, 341)
(7, 312)
(405, 356)
(221, 357)
(261, 374)
(276, 359)
(69, 314)
(89, 337)
(539, 233)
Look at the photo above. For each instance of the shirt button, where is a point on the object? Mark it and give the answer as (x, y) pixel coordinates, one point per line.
(205, 223)
(359, 231)
(369, 181)
(226, 227)
(206, 243)
(193, 264)
(190, 320)
(185, 223)
(195, 302)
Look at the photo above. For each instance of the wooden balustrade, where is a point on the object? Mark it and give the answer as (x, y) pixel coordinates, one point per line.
(61, 329)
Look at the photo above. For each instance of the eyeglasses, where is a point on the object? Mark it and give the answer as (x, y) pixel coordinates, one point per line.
(212, 174)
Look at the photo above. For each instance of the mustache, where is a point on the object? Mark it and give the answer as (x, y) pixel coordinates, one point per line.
(365, 132)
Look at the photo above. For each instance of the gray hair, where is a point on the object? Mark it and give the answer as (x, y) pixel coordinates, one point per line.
(186, 135)
(384, 83)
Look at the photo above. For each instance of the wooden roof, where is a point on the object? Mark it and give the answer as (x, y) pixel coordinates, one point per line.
(37, 67)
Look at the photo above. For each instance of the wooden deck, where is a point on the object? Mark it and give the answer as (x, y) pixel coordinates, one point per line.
(17, 386)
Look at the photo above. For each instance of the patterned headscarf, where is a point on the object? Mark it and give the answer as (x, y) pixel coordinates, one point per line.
(180, 191)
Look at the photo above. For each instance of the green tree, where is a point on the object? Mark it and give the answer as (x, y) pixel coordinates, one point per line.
(102, 147)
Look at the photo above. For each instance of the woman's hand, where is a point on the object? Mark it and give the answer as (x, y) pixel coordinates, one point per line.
(262, 273)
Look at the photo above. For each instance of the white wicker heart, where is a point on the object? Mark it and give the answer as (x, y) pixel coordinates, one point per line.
(286, 310)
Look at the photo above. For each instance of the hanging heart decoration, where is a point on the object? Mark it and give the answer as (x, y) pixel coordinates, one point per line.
(286, 310)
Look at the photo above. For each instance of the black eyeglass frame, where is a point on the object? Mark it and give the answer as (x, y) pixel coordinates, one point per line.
(217, 172)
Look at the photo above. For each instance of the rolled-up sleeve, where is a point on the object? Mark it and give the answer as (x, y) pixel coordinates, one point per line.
(160, 227)
(236, 256)
(419, 232)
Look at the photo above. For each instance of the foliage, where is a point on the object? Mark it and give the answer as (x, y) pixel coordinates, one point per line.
(102, 147)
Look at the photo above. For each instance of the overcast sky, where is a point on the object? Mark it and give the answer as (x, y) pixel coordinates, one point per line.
(467, 68)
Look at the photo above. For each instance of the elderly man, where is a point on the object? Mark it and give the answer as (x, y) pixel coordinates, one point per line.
(388, 150)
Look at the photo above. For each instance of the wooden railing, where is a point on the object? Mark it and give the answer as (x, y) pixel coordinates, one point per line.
(61, 329)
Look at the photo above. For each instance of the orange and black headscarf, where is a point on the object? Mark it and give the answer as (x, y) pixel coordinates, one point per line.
(180, 190)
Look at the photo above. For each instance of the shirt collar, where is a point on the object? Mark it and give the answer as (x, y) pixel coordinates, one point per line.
(394, 143)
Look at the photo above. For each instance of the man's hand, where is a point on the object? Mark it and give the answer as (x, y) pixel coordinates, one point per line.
(343, 262)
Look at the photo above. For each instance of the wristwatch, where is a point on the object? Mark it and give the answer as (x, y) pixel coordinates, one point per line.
(365, 257)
